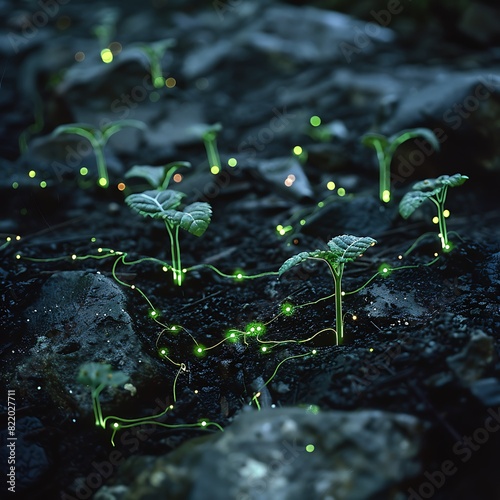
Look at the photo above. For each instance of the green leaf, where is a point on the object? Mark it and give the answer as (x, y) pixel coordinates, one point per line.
(346, 248)
(195, 218)
(397, 139)
(374, 140)
(111, 128)
(96, 374)
(154, 203)
(440, 182)
(412, 200)
(153, 175)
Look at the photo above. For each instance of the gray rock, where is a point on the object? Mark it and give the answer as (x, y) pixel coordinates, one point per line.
(80, 317)
(263, 456)
(470, 364)
(487, 390)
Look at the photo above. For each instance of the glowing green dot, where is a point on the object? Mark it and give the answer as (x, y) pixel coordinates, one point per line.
(43, 184)
(154, 97)
(263, 349)
(93, 239)
(215, 169)
(238, 275)
(232, 162)
(116, 425)
(158, 82)
(287, 309)
(84, 171)
(106, 56)
(153, 313)
(315, 121)
(32, 173)
(321, 204)
(386, 196)
(330, 185)
(15, 185)
(203, 423)
(341, 191)
(435, 220)
(103, 182)
(297, 150)
(199, 351)
(310, 448)
(384, 270)
(303, 222)
(446, 213)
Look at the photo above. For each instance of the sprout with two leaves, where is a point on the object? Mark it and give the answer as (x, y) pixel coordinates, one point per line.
(341, 250)
(98, 137)
(157, 177)
(166, 205)
(385, 148)
(434, 190)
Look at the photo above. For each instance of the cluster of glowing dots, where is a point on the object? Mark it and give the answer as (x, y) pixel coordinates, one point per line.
(255, 329)
(446, 214)
(289, 180)
(31, 175)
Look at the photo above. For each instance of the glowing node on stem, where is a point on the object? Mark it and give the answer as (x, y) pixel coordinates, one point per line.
(386, 196)
(163, 352)
(448, 247)
(116, 425)
(287, 309)
(255, 329)
(164, 269)
(203, 423)
(199, 351)
(232, 336)
(73, 257)
(263, 349)
(238, 274)
(342, 293)
(384, 269)
(314, 351)
(214, 169)
(103, 182)
(315, 121)
(18, 256)
(153, 313)
(330, 185)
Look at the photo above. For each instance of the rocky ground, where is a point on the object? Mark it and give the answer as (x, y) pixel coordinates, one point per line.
(407, 408)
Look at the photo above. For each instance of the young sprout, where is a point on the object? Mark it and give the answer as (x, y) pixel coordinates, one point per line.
(105, 30)
(157, 177)
(98, 139)
(341, 249)
(386, 147)
(155, 52)
(164, 205)
(436, 191)
(99, 376)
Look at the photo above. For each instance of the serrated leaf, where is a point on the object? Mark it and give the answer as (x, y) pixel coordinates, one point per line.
(346, 248)
(195, 218)
(412, 200)
(440, 182)
(154, 203)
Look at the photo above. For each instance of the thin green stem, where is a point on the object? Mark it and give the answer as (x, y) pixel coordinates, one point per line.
(212, 151)
(339, 323)
(173, 233)
(102, 169)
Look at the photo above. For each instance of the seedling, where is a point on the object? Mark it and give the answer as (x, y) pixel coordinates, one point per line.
(157, 177)
(208, 133)
(98, 139)
(164, 205)
(386, 147)
(105, 30)
(99, 376)
(155, 52)
(436, 191)
(341, 249)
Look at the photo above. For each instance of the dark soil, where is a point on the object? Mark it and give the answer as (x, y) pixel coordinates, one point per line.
(400, 329)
